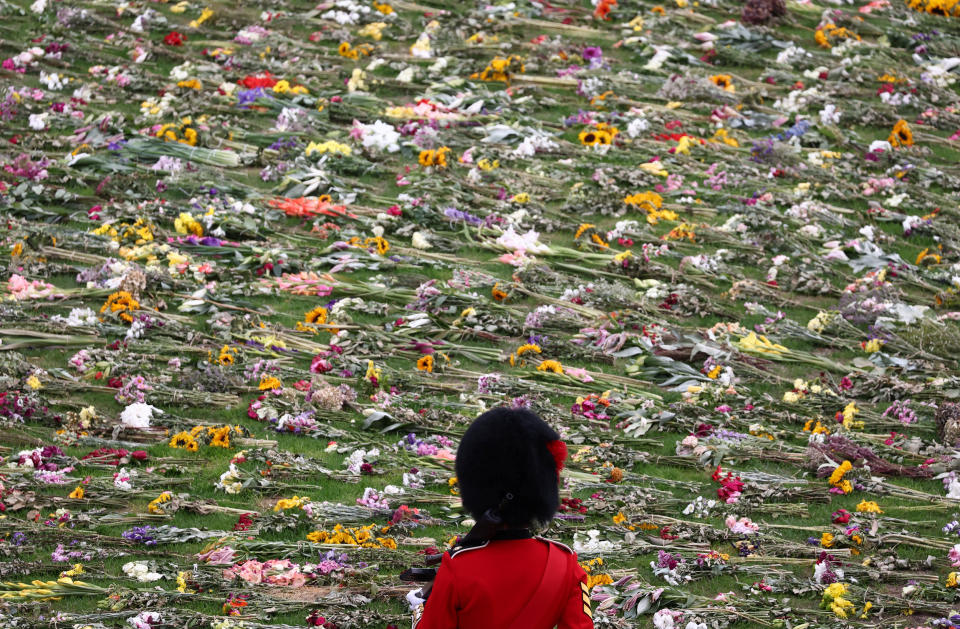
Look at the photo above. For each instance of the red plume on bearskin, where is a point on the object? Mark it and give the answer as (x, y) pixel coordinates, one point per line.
(558, 449)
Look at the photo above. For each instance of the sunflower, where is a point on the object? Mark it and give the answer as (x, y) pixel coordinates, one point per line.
(225, 358)
(317, 316)
(604, 137)
(583, 227)
(528, 347)
(551, 365)
(724, 82)
(497, 293)
(425, 364)
(426, 158)
(345, 51)
(221, 438)
(192, 446)
(588, 137)
(901, 134)
(182, 440)
(381, 243)
(77, 494)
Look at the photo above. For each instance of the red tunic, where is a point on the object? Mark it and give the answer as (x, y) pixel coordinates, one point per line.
(488, 586)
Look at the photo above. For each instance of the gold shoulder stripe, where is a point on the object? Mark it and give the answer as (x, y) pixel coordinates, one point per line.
(583, 586)
(587, 611)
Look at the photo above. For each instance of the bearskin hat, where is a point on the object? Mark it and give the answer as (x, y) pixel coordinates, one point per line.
(510, 452)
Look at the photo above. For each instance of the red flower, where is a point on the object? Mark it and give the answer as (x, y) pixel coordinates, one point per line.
(262, 79)
(140, 455)
(174, 38)
(841, 517)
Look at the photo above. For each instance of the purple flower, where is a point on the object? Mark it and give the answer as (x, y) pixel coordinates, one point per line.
(593, 55)
(247, 97)
(460, 215)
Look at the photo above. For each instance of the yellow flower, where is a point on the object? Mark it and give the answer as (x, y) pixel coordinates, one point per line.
(154, 506)
(868, 506)
(826, 540)
(837, 475)
(76, 571)
(528, 347)
(330, 146)
(373, 30)
(34, 382)
(289, 503)
(873, 345)
(761, 345)
(186, 224)
(183, 441)
(77, 494)
(550, 365)
(383, 7)
(372, 372)
(521, 198)
(454, 487)
(182, 577)
(724, 82)
(619, 518)
(951, 580)
(268, 383)
(317, 316)
(683, 146)
(204, 16)
(425, 363)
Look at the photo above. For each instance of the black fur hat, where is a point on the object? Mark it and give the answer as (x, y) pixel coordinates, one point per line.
(505, 452)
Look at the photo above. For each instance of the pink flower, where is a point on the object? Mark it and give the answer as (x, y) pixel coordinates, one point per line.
(954, 556)
(218, 556)
(578, 373)
(250, 571)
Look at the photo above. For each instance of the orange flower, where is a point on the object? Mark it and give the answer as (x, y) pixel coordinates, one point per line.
(425, 364)
(603, 9)
(308, 208)
(497, 293)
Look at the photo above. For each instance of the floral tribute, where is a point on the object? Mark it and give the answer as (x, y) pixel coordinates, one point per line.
(264, 262)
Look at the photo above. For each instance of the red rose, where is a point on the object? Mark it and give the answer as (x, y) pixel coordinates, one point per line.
(174, 38)
(140, 455)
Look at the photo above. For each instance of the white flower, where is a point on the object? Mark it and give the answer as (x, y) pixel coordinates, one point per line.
(406, 76)
(637, 126)
(658, 59)
(526, 242)
(533, 143)
(880, 145)
(52, 81)
(140, 571)
(953, 491)
(121, 479)
(380, 136)
(829, 114)
(592, 545)
(420, 241)
(138, 415)
(39, 6)
(38, 121)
